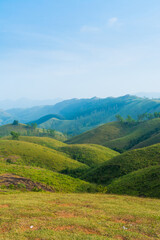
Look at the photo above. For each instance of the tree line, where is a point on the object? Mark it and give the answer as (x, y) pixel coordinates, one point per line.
(140, 118)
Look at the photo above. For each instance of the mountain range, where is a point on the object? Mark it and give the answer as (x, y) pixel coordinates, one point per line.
(76, 116)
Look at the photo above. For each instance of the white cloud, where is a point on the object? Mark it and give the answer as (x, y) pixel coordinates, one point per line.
(112, 21)
(89, 29)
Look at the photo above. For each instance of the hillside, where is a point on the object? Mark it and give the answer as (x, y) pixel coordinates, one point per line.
(124, 164)
(44, 141)
(31, 154)
(49, 180)
(76, 116)
(144, 182)
(121, 136)
(89, 154)
(26, 130)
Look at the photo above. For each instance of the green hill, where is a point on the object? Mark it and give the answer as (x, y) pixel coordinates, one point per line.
(44, 141)
(35, 155)
(26, 130)
(89, 154)
(124, 164)
(55, 182)
(144, 182)
(121, 136)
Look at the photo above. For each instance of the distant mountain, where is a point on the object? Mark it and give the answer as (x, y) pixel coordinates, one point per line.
(76, 116)
(26, 103)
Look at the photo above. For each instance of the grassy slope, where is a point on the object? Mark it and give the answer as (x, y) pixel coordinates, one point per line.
(102, 134)
(144, 182)
(36, 155)
(44, 141)
(142, 132)
(148, 142)
(124, 164)
(59, 182)
(119, 136)
(78, 217)
(90, 154)
(23, 129)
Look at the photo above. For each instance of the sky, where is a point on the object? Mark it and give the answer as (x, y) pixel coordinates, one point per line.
(78, 48)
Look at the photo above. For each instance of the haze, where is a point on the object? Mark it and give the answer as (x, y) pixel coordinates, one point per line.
(64, 49)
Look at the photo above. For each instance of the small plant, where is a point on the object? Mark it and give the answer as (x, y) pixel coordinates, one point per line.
(21, 185)
(11, 186)
(36, 189)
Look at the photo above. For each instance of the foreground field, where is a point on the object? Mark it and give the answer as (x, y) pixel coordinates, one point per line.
(55, 216)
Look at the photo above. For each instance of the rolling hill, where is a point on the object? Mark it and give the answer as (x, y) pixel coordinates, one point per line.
(31, 154)
(121, 136)
(124, 164)
(89, 154)
(49, 180)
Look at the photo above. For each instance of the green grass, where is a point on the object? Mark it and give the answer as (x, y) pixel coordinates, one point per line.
(44, 141)
(123, 164)
(78, 217)
(59, 182)
(155, 138)
(102, 134)
(89, 154)
(36, 155)
(144, 182)
(120, 136)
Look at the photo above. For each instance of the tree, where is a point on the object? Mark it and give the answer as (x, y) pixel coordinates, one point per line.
(15, 135)
(15, 122)
(129, 119)
(119, 118)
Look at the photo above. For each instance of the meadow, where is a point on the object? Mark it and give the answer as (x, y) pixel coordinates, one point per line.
(57, 216)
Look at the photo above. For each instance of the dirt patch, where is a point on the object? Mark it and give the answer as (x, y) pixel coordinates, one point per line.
(127, 220)
(4, 206)
(120, 238)
(64, 214)
(14, 181)
(66, 204)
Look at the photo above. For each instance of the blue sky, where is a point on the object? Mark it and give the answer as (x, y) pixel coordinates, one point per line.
(78, 48)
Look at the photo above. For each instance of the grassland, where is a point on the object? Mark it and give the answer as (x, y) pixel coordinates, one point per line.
(124, 164)
(121, 136)
(55, 216)
(36, 155)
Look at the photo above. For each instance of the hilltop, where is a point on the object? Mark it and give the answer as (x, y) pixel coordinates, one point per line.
(28, 130)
